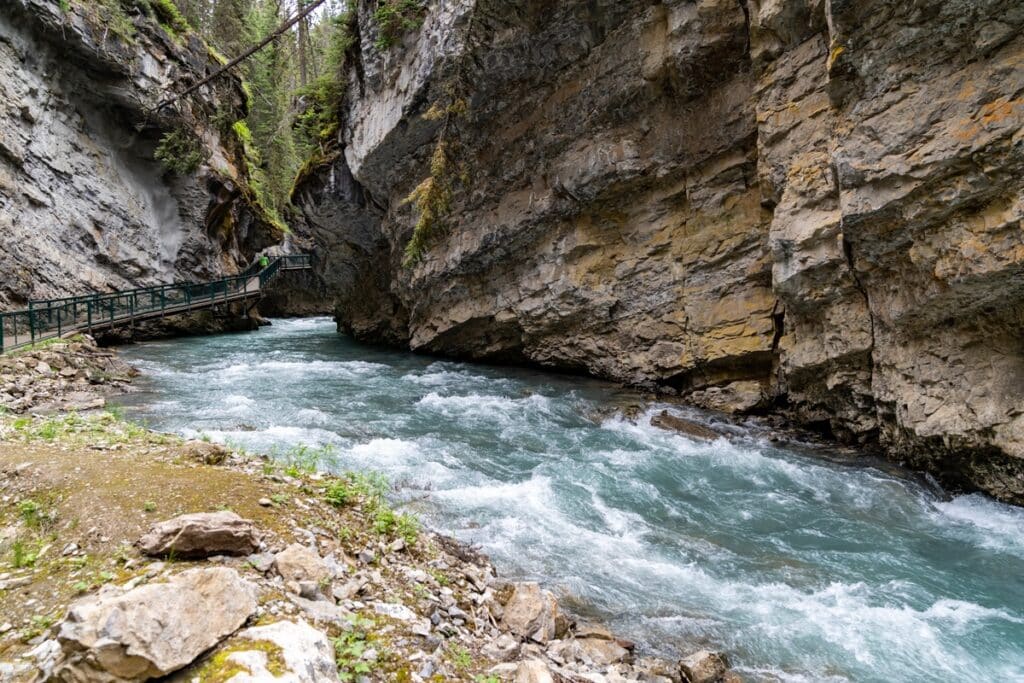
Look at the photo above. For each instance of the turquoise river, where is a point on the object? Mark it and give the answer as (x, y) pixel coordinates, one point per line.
(802, 566)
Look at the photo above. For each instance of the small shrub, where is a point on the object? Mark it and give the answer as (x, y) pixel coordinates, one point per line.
(149, 506)
(180, 151)
(340, 493)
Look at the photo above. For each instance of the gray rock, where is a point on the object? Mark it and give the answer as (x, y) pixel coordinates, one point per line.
(152, 630)
(261, 562)
(200, 535)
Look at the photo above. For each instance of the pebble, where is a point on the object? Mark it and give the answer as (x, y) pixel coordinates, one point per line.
(266, 502)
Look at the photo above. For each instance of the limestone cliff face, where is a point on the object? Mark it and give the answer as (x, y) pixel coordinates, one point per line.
(83, 205)
(795, 205)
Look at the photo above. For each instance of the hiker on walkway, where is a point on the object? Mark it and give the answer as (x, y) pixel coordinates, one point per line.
(264, 261)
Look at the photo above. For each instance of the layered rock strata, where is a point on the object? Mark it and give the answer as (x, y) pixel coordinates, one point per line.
(792, 205)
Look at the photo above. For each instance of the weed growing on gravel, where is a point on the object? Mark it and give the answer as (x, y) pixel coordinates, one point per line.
(24, 554)
(349, 648)
(35, 514)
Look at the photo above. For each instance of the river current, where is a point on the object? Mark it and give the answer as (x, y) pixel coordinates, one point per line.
(801, 567)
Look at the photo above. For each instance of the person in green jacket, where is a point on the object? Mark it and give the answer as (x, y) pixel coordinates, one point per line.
(264, 261)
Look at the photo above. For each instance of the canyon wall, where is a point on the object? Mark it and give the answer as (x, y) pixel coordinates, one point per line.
(83, 204)
(805, 206)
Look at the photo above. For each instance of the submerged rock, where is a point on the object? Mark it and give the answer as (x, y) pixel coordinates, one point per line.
(152, 630)
(200, 535)
(673, 423)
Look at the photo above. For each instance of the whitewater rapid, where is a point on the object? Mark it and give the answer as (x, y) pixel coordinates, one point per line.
(801, 567)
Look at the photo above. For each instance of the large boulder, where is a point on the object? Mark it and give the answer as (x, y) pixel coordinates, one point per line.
(282, 652)
(533, 613)
(704, 667)
(152, 630)
(201, 535)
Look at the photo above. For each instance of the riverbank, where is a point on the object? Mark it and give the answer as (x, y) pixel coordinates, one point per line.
(318, 566)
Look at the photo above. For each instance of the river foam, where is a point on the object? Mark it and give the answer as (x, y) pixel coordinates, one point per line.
(801, 568)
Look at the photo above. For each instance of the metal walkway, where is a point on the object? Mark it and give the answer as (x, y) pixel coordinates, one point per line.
(54, 318)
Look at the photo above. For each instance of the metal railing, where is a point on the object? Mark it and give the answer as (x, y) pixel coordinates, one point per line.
(53, 318)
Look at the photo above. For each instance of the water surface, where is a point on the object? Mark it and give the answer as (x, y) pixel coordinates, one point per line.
(802, 568)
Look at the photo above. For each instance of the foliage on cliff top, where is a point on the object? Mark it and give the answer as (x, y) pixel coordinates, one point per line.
(319, 119)
(394, 18)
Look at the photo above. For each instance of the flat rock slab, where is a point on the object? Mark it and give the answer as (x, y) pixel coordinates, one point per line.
(201, 535)
(155, 629)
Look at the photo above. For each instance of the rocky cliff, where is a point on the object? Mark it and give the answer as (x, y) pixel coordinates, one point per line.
(794, 205)
(84, 206)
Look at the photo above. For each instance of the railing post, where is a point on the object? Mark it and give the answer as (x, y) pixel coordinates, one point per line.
(32, 322)
(58, 322)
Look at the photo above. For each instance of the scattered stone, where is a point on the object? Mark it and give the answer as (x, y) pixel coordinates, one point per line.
(45, 654)
(266, 502)
(297, 563)
(321, 611)
(503, 648)
(395, 611)
(533, 671)
(674, 423)
(154, 629)
(366, 556)
(703, 667)
(200, 535)
(261, 562)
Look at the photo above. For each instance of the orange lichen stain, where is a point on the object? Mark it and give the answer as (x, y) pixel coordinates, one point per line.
(995, 113)
(967, 92)
(999, 111)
